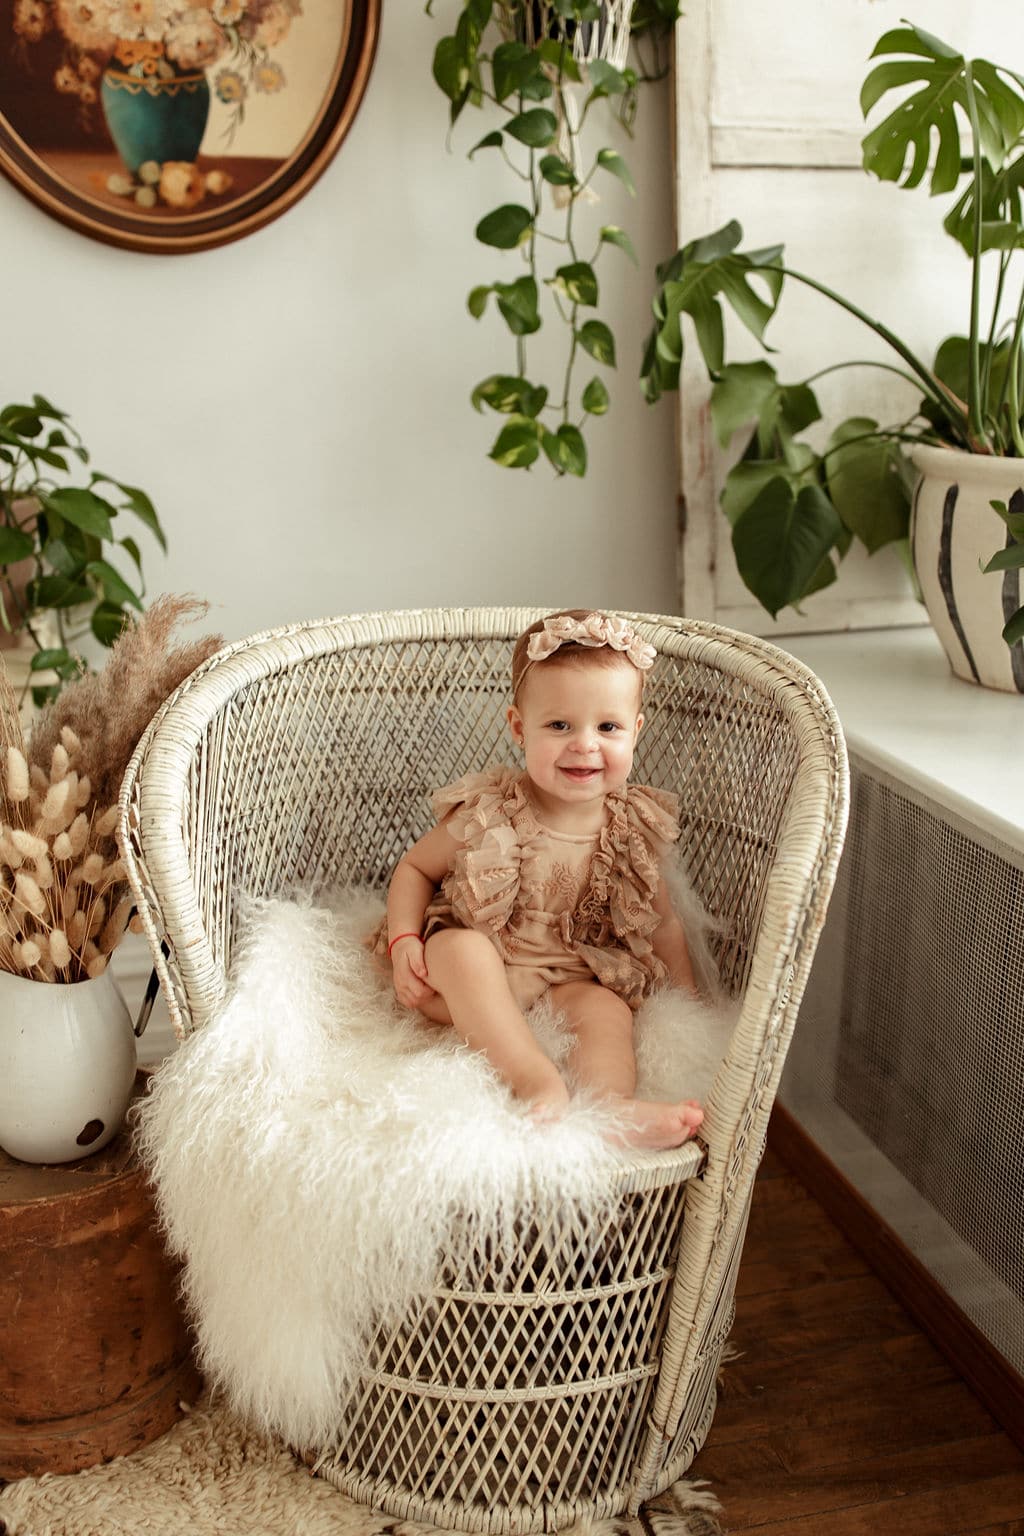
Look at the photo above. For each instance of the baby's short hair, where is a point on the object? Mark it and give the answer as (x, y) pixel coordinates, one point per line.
(569, 653)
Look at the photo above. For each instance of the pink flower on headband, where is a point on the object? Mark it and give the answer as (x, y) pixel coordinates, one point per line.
(595, 630)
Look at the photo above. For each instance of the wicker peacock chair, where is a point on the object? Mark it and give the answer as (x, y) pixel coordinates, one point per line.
(575, 1376)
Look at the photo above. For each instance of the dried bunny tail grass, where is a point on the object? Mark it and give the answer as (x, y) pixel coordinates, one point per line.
(114, 927)
(76, 926)
(28, 954)
(60, 949)
(10, 854)
(109, 710)
(57, 808)
(60, 762)
(91, 868)
(26, 890)
(28, 844)
(96, 966)
(62, 849)
(107, 822)
(17, 787)
(78, 834)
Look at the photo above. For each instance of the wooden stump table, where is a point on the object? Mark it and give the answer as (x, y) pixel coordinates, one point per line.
(95, 1356)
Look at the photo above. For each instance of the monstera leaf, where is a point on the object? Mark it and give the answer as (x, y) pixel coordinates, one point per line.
(987, 95)
(694, 283)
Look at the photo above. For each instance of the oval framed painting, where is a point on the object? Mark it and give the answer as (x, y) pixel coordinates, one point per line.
(176, 125)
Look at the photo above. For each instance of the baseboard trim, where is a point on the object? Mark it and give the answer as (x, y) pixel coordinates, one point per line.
(992, 1379)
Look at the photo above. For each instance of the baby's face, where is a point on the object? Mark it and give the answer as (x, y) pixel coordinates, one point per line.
(578, 727)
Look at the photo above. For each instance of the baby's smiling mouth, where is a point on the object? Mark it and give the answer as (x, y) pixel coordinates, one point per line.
(582, 774)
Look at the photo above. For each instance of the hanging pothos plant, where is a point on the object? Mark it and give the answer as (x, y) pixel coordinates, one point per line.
(540, 66)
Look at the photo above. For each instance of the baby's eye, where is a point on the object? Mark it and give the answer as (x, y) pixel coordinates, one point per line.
(558, 725)
(609, 725)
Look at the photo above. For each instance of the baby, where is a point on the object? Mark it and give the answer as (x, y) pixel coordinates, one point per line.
(549, 881)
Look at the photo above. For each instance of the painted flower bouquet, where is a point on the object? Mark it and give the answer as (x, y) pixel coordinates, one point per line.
(146, 62)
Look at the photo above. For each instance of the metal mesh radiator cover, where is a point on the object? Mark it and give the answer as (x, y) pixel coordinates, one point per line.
(907, 1065)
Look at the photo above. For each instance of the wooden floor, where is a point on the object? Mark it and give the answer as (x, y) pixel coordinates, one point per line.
(841, 1418)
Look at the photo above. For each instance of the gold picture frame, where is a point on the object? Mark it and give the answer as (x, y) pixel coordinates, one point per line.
(202, 126)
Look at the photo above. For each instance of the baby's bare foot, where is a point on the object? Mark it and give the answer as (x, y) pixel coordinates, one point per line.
(657, 1126)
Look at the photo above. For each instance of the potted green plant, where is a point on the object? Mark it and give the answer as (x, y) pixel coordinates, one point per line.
(539, 67)
(794, 510)
(57, 581)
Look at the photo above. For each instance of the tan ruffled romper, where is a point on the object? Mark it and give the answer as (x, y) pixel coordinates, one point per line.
(558, 907)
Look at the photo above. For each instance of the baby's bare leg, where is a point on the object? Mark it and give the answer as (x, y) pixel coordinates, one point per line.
(467, 971)
(605, 1061)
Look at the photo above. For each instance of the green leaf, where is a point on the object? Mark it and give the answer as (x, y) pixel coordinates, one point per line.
(450, 69)
(139, 503)
(510, 394)
(739, 395)
(867, 482)
(58, 592)
(493, 140)
(747, 479)
(536, 128)
(900, 147)
(84, 509)
(57, 659)
(517, 70)
(578, 281)
(596, 339)
(1014, 630)
(566, 450)
(477, 301)
(14, 545)
(595, 398)
(516, 446)
(115, 588)
(132, 549)
(517, 303)
(1009, 559)
(605, 78)
(557, 171)
(610, 161)
(694, 282)
(1013, 516)
(107, 622)
(506, 227)
(781, 540)
(62, 558)
(611, 234)
(560, 57)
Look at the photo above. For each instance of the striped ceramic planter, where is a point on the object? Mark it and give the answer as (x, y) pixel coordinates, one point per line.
(953, 534)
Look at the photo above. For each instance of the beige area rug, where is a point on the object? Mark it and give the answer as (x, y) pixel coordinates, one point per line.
(210, 1476)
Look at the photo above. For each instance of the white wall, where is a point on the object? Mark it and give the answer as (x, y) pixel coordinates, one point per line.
(297, 402)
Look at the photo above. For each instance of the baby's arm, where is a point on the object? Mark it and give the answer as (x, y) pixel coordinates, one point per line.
(413, 884)
(670, 943)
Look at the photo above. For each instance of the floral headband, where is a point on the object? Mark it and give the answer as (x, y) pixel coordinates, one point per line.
(595, 630)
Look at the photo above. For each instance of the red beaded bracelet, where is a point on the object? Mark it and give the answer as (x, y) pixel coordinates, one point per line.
(398, 936)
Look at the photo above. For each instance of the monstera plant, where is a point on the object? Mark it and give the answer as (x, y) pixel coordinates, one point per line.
(795, 509)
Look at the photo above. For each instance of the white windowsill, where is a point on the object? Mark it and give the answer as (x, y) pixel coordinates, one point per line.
(902, 708)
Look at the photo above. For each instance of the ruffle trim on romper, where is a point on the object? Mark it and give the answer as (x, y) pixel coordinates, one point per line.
(611, 929)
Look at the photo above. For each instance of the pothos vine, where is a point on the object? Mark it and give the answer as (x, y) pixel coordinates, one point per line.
(528, 60)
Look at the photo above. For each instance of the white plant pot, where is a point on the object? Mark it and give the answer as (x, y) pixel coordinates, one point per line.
(954, 533)
(67, 1066)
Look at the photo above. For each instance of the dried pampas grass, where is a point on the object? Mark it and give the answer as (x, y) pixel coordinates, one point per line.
(64, 901)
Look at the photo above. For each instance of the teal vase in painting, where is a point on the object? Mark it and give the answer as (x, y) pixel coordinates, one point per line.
(153, 119)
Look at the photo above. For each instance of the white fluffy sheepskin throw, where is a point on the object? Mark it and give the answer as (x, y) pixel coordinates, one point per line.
(311, 1145)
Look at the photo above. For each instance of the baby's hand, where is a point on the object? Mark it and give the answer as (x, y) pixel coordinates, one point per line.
(409, 971)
